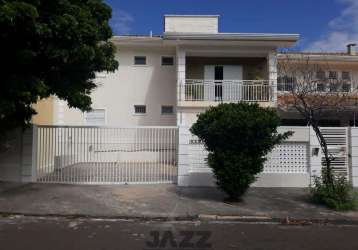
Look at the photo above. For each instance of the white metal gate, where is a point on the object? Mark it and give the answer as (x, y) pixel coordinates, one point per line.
(337, 143)
(99, 155)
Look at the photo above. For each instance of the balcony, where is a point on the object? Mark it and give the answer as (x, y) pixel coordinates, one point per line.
(199, 90)
(315, 86)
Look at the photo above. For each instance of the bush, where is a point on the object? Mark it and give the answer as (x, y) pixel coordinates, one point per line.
(238, 137)
(338, 195)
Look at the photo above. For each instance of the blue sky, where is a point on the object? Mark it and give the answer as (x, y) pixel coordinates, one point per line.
(324, 25)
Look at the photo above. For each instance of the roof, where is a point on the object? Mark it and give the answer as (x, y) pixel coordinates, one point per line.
(172, 38)
(232, 36)
(135, 38)
(320, 56)
(323, 53)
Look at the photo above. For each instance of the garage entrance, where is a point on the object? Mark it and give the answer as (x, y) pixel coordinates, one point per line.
(105, 155)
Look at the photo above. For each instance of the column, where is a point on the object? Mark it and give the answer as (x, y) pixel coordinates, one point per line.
(183, 156)
(272, 73)
(181, 66)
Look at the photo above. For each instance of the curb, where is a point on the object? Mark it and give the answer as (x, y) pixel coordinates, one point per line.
(201, 217)
(101, 217)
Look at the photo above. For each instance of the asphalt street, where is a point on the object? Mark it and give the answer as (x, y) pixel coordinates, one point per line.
(51, 233)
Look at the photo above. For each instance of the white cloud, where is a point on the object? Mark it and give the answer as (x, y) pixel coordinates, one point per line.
(121, 22)
(341, 30)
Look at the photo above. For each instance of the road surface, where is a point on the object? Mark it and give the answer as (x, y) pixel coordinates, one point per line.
(51, 233)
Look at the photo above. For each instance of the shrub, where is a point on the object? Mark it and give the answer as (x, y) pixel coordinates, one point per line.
(238, 137)
(338, 195)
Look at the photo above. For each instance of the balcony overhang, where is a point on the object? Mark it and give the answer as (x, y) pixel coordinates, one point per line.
(227, 51)
(242, 39)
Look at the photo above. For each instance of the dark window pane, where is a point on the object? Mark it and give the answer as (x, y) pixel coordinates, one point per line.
(321, 87)
(219, 73)
(346, 87)
(167, 110)
(140, 60)
(167, 60)
(332, 75)
(140, 109)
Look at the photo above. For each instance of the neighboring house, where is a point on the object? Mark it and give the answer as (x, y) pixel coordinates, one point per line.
(332, 72)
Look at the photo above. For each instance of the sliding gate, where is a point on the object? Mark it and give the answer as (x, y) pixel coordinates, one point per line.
(105, 155)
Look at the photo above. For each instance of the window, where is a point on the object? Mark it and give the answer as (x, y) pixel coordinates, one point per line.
(167, 60)
(333, 87)
(95, 117)
(332, 75)
(167, 110)
(286, 83)
(321, 87)
(321, 75)
(140, 109)
(346, 75)
(140, 60)
(346, 87)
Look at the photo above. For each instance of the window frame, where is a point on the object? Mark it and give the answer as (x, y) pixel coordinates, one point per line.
(140, 105)
(161, 60)
(166, 106)
(335, 73)
(349, 76)
(136, 57)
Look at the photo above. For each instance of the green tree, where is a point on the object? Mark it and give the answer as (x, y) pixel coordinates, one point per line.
(51, 48)
(238, 136)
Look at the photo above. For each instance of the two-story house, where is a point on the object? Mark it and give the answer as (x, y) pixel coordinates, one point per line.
(138, 129)
(169, 79)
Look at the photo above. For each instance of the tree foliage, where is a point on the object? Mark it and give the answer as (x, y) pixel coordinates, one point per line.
(51, 48)
(238, 137)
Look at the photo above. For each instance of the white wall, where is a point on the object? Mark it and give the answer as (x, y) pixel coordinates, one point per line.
(191, 24)
(354, 155)
(202, 175)
(152, 85)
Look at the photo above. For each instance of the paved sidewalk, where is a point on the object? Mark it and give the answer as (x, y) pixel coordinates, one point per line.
(164, 201)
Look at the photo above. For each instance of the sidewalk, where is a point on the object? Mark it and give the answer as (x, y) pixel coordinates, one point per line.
(161, 202)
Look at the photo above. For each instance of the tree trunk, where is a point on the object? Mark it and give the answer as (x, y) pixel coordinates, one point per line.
(328, 175)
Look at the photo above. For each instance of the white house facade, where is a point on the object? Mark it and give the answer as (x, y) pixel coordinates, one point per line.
(168, 79)
(138, 130)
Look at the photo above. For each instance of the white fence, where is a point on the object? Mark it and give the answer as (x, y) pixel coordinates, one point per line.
(288, 157)
(161, 155)
(226, 90)
(69, 154)
(291, 163)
